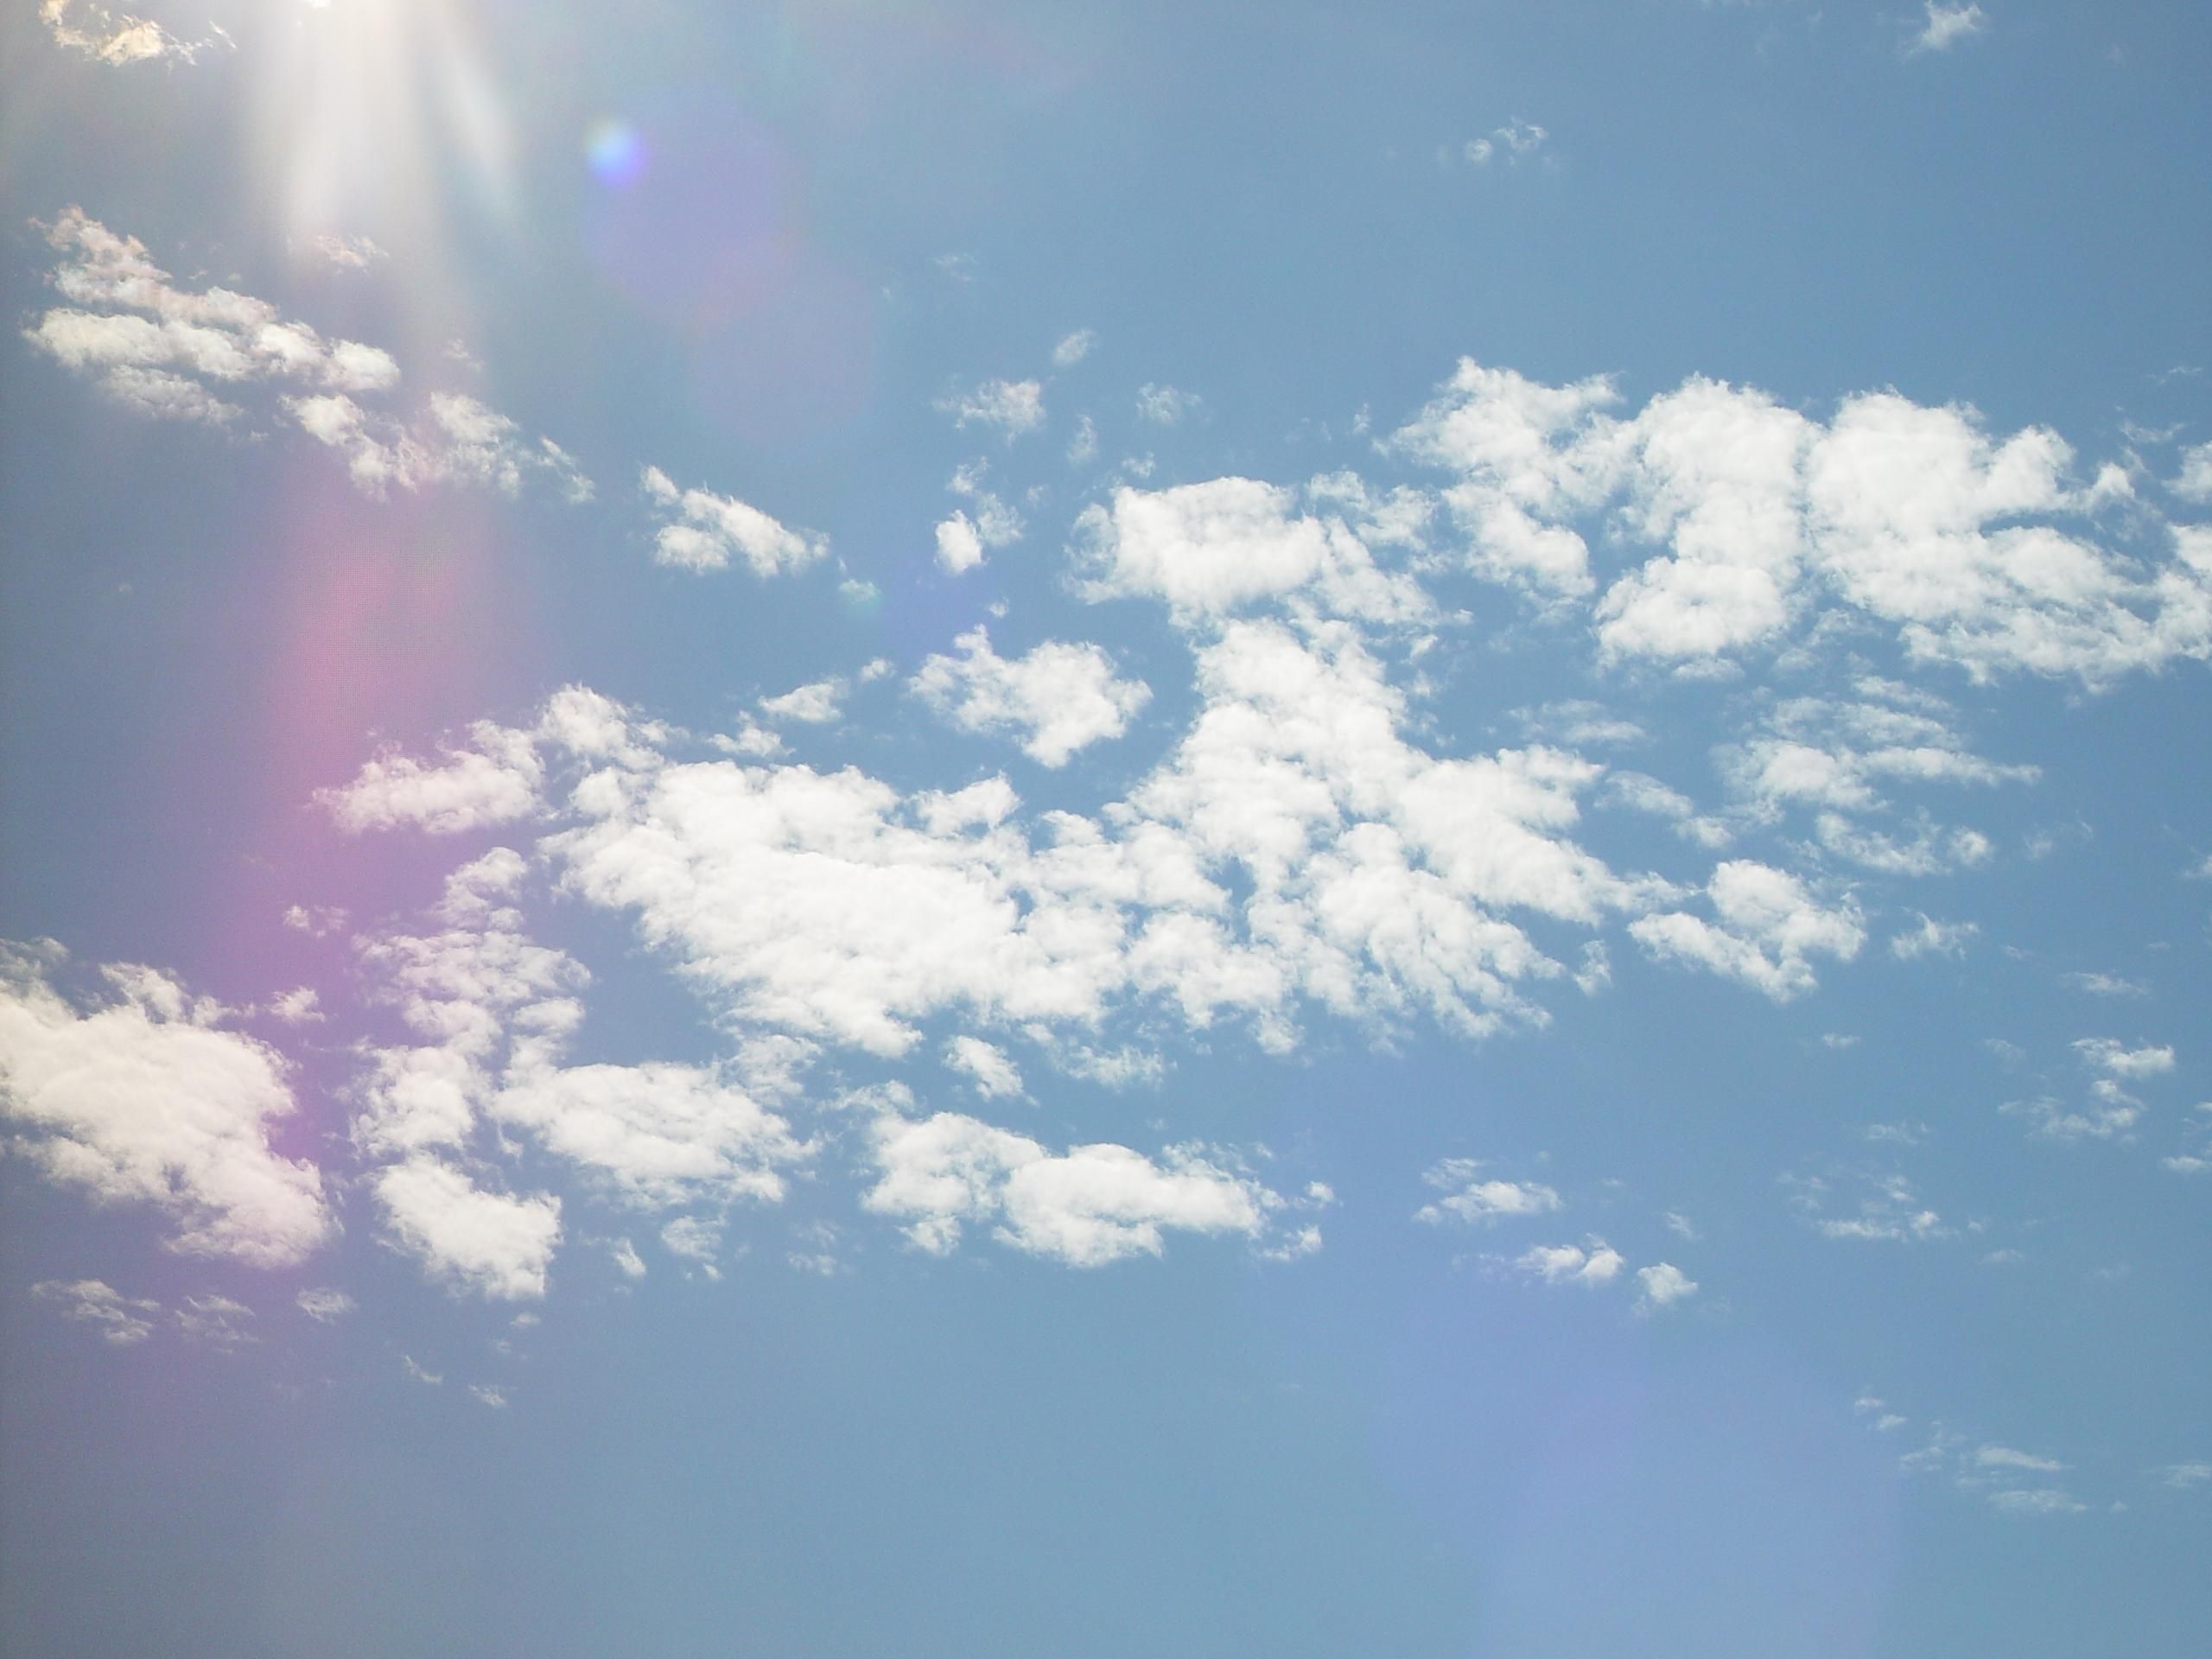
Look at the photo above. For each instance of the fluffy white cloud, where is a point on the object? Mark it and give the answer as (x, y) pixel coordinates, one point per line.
(495, 1243)
(146, 1098)
(1057, 698)
(1662, 1284)
(655, 1133)
(1760, 518)
(988, 1067)
(457, 439)
(492, 780)
(700, 530)
(959, 547)
(1468, 1197)
(2106, 1055)
(1073, 348)
(175, 355)
(1086, 1207)
(1209, 550)
(1012, 406)
(1589, 1265)
(1946, 25)
(1767, 924)
(496, 1014)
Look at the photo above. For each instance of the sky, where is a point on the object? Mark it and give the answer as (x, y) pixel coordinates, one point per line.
(872, 827)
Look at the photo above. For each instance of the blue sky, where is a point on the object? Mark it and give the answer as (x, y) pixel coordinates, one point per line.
(935, 829)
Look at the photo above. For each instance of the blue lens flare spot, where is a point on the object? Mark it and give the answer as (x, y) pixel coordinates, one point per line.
(615, 151)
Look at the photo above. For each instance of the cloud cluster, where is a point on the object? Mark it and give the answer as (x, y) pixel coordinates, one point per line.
(1053, 700)
(102, 36)
(496, 1014)
(148, 1098)
(174, 353)
(1085, 1207)
(1753, 519)
(700, 531)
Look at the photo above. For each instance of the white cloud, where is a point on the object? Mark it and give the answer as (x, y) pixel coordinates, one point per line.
(496, 1013)
(1208, 550)
(1768, 924)
(959, 547)
(1946, 25)
(2112, 1113)
(1663, 1284)
(120, 1319)
(174, 354)
(1014, 407)
(1082, 449)
(2033, 1500)
(627, 1259)
(816, 704)
(1889, 1209)
(1469, 1199)
(653, 1133)
(1087, 1207)
(701, 532)
(1516, 141)
(2098, 984)
(146, 1098)
(214, 1320)
(1592, 1264)
(498, 1244)
(2004, 1456)
(492, 780)
(1055, 700)
(346, 252)
(106, 38)
(1639, 793)
(417, 1373)
(323, 1304)
(989, 1068)
(1933, 937)
(833, 906)
(1165, 405)
(2120, 1061)
(488, 1393)
(696, 1240)
(2195, 481)
(1073, 348)
(2186, 1477)
(1759, 520)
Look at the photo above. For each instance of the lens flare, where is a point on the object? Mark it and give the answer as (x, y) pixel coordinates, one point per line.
(616, 152)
